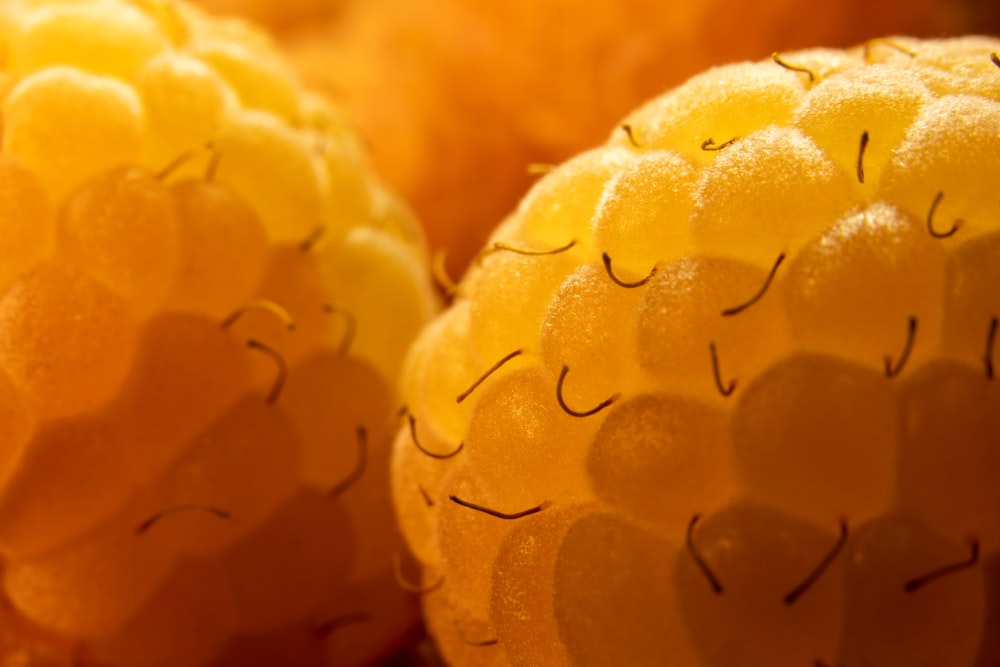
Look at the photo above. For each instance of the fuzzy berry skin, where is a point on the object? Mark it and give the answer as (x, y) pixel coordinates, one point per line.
(748, 413)
(205, 299)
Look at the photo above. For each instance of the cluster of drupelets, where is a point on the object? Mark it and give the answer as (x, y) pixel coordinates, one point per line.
(722, 391)
(206, 298)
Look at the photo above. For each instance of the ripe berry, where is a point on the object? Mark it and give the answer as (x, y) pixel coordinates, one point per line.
(753, 414)
(205, 297)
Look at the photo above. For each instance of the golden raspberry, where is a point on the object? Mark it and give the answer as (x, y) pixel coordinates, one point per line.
(723, 391)
(205, 298)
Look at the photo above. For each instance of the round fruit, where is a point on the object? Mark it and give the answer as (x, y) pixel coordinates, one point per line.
(724, 391)
(205, 298)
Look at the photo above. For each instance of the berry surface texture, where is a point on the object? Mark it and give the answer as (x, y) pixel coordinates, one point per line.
(723, 392)
(205, 299)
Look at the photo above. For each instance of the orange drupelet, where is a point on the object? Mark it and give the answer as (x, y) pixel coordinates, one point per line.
(755, 413)
(205, 298)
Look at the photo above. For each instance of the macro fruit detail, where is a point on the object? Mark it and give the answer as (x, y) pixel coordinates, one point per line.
(205, 299)
(723, 391)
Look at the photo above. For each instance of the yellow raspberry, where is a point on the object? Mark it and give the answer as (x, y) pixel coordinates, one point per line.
(205, 299)
(724, 391)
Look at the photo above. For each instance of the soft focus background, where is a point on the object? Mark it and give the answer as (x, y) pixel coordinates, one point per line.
(458, 97)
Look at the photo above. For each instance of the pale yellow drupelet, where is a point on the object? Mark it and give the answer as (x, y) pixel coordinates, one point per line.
(754, 419)
(205, 296)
